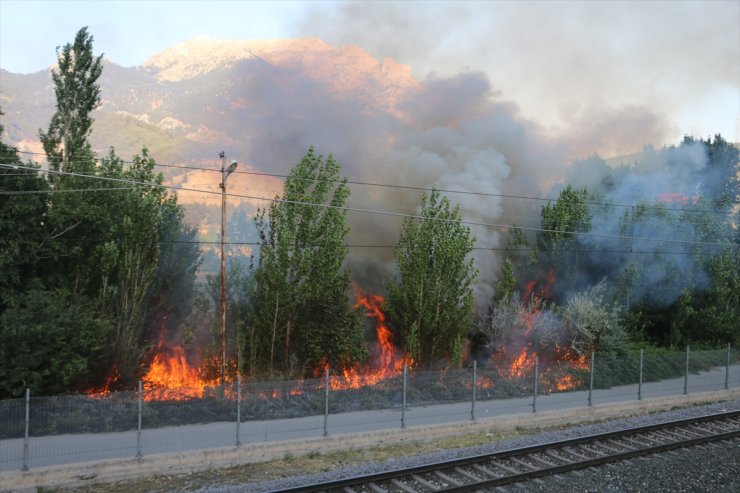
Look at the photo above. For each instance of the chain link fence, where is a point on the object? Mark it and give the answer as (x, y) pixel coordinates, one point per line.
(41, 431)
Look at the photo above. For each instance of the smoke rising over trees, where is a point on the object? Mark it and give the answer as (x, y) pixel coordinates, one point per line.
(639, 252)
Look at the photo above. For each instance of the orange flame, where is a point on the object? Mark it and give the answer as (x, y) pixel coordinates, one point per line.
(389, 362)
(105, 389)
(521, 366)
(170, 376)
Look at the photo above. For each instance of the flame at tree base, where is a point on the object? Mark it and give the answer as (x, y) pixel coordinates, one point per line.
(170, 376)
(558, 368)
(388, 362)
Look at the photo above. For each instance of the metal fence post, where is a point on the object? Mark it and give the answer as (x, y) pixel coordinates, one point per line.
(639, 385)
(686, 374)
(475, 379)
(536, 378)
(591, 380)
(326, 404)
(403, 397)
(138, 429)
(727, 367)
(238, 407)
(25, 436)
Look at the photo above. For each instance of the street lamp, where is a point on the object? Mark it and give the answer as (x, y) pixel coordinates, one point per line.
(224, 174)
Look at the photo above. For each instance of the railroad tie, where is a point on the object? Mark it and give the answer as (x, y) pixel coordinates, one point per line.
(404, 487)
(424, 482)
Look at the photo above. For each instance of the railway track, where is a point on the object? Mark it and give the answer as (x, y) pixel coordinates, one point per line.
(485, 472)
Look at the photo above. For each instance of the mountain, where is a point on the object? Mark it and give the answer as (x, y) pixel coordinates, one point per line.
(265, 102)
(189, 102)
(262, 102)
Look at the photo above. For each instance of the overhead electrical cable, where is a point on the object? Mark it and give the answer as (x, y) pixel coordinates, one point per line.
(57, 190)
(388, 213)
(443, 190)
(495, 249)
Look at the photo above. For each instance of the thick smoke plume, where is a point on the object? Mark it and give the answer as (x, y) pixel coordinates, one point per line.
(659, 207)
(453, 133)
(572, 66)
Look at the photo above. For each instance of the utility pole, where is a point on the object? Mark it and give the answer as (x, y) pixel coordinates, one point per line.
(224, 174)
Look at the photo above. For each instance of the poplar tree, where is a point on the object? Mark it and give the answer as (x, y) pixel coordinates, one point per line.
(302, 317)
(430, 299)
(77, 95)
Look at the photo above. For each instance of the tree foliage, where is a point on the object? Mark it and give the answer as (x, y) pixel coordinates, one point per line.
(559, 221)
(23, 230)
(129, 252)
(82, 262)
(77, 95)
(430, 299)
(593, 323)
(302, 316)
(46, 342)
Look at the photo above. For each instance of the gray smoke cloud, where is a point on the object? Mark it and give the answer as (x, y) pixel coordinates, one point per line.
(454, 133)
(663, 183)
(574, 67)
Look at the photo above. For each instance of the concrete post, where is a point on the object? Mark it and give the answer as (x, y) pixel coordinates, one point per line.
(686, 373)
(536, 379)
(727, 367)
(591, 380)
(475, 379)
(639, 385)
(326, 404)
(403, 397)
(138, 427)
(238, 408)
(28, 425)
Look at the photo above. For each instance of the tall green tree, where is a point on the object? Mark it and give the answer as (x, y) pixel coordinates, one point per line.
(77, 95)
(129, 251)
(559, 221)
(430, 299)
(558, 249)
(302, 314)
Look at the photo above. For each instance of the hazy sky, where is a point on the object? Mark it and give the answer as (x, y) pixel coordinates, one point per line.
(567, 65)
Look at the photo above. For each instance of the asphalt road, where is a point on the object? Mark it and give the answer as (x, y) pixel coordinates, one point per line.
(67, 449)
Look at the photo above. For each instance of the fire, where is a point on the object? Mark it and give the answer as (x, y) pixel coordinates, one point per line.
(555, 363)
(105, 389)
(170, 376)
(389, 362)
(522, 365)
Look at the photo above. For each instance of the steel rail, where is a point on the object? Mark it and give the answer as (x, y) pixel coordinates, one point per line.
(539, 467)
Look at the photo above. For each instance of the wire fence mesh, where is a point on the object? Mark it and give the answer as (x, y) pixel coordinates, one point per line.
(77, 428)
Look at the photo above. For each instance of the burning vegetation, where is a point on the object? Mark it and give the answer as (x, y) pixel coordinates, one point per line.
(170, 376)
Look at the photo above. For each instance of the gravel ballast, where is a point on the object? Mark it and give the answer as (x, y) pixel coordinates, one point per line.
(707, 468)
(711, 468)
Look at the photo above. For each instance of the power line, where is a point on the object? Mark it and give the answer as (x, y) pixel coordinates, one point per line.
(427, 189)
(495, 249)
(38, 192)
(388, 213)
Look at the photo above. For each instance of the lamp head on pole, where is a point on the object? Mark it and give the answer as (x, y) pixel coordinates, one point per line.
(231, 168)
